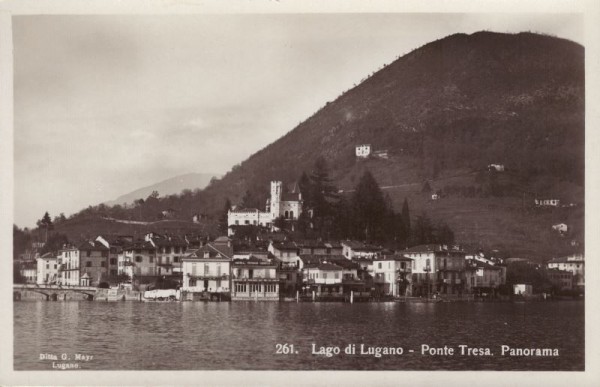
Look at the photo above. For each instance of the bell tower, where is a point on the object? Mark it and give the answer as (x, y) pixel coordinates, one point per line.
(275, 199)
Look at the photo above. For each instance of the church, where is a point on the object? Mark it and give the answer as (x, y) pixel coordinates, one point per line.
(280, 204)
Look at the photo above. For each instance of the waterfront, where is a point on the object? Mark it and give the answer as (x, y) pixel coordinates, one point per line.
(244, 335)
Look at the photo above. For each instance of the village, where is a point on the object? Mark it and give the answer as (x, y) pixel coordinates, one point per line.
(273, 267)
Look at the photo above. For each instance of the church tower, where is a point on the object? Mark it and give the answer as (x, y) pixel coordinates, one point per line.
(275, 199)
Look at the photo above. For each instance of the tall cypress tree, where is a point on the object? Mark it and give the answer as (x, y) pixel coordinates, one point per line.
(369, 209)
(406, 218)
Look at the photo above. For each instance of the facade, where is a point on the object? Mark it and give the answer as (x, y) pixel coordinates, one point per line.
(207, 270)
(280, 204)
(561, 279)
(254, 279)
(547, 202)
(483, 278)
(93, 267)
(562, 228)
(522, 289)
(323, 278)
(573, 263)
(392, 275)
(355, 249)
(138, 261)
(28, 271)
(47, 269)
(68, 266)
(437, 269)
(363, 150)
(169, 253)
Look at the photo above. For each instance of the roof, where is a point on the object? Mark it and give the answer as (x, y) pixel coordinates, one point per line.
(313, 260)
(393, 257)
(168, 241)
(290, 197)
(324, 266)
(139, 245)
(285, 245)
(473, 263)
(241, 210)
(92, 246)
(360, 246)
(564, 260)
(432, 248)
(214, 252)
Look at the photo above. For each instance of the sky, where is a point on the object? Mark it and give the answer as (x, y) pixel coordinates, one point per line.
(104, 105)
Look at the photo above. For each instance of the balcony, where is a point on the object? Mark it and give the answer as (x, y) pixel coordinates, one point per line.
(208, 276)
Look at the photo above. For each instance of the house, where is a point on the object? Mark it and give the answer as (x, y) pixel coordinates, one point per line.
(115, 247)
(286, 251)
(496, 167)
(573, 263)
(437, 269)
(547, 202)
(169, 213)
(392, 275)
(254, 279)
(522, 289)
(562, 228)
(68, 266)
(290, 278)
(323, 278)
(93, 261)
(363, 150)
(356, 249)
(561, 279)
(435, 196)
(207, 270)
(483, 278)
(137, 260)
(47, 269)
(170, 250)
(287, 205)
(28, 271)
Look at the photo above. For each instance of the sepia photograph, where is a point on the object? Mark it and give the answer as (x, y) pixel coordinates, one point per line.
(298, 191)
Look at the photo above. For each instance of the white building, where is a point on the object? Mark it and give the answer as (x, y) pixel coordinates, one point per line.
(281, 204)
(363, 150)
(392, 275)
(522, 289)
(574, 263)
(68, 266)
(208, 269)
(496, 167)
(47, 269)
(547, 202)
(561, 228)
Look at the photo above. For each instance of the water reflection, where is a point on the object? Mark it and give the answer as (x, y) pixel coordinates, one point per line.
(244, 335)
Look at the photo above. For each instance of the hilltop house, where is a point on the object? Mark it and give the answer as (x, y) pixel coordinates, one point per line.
(547, 202)
(496, 167)
(363, 150)
(280, 204)
(561, 228)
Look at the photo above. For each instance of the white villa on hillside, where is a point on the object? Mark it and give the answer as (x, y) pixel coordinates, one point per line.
(281, 204)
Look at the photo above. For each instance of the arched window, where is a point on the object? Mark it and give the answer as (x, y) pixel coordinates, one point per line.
(286, 214)
(291, 214)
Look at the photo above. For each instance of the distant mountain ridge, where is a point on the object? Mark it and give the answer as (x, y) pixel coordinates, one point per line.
(170, 186)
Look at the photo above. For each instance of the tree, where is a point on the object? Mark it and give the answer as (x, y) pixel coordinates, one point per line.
(21, 241)
(249, 201)
(223, 221)
(369, 209)
(45, 223)
(405, 219)
(55, 243)
(153, 195)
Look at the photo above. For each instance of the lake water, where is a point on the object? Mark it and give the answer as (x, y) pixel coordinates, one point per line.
(244, 335)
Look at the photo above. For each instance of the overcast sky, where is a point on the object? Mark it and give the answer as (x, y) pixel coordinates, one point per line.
(108, 104)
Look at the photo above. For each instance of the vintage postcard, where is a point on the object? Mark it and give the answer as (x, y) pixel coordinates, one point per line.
(207, 190)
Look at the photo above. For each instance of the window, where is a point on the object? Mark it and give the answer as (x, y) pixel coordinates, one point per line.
(139, 259)
(55, 266)
(88, 264)
(337, 275)
(237, 222)
(192, 282)
(291, 214)
(379, 265)
(47, 266)
(113, 261)
(151, 259)
(104, 254)
(324, 275)
(102, 264)
(176, 260)
(246, 222)
(88, 253)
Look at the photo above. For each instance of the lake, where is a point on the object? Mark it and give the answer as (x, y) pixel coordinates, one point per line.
(298, 336)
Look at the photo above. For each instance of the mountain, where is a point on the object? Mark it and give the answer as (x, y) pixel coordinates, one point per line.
(170, 186)
(444, 112)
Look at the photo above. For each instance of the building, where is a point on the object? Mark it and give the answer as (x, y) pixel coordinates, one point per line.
(355, 249)
(547, 202)
(522, 289)
(560, 279)
(28, 270)
(207, 270)
(437, 269)
(115, 247)
(137, 260)
(323, 278)
(170, 250)
(68, 266)
(483, 278)
(47, 269)
(363, 150)
(562, 228)
(287, 205)
(392, 275)
(496, 167)
(254, 279)
(93, 269)
(382, 154)
(573, 263)
(287, 252)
